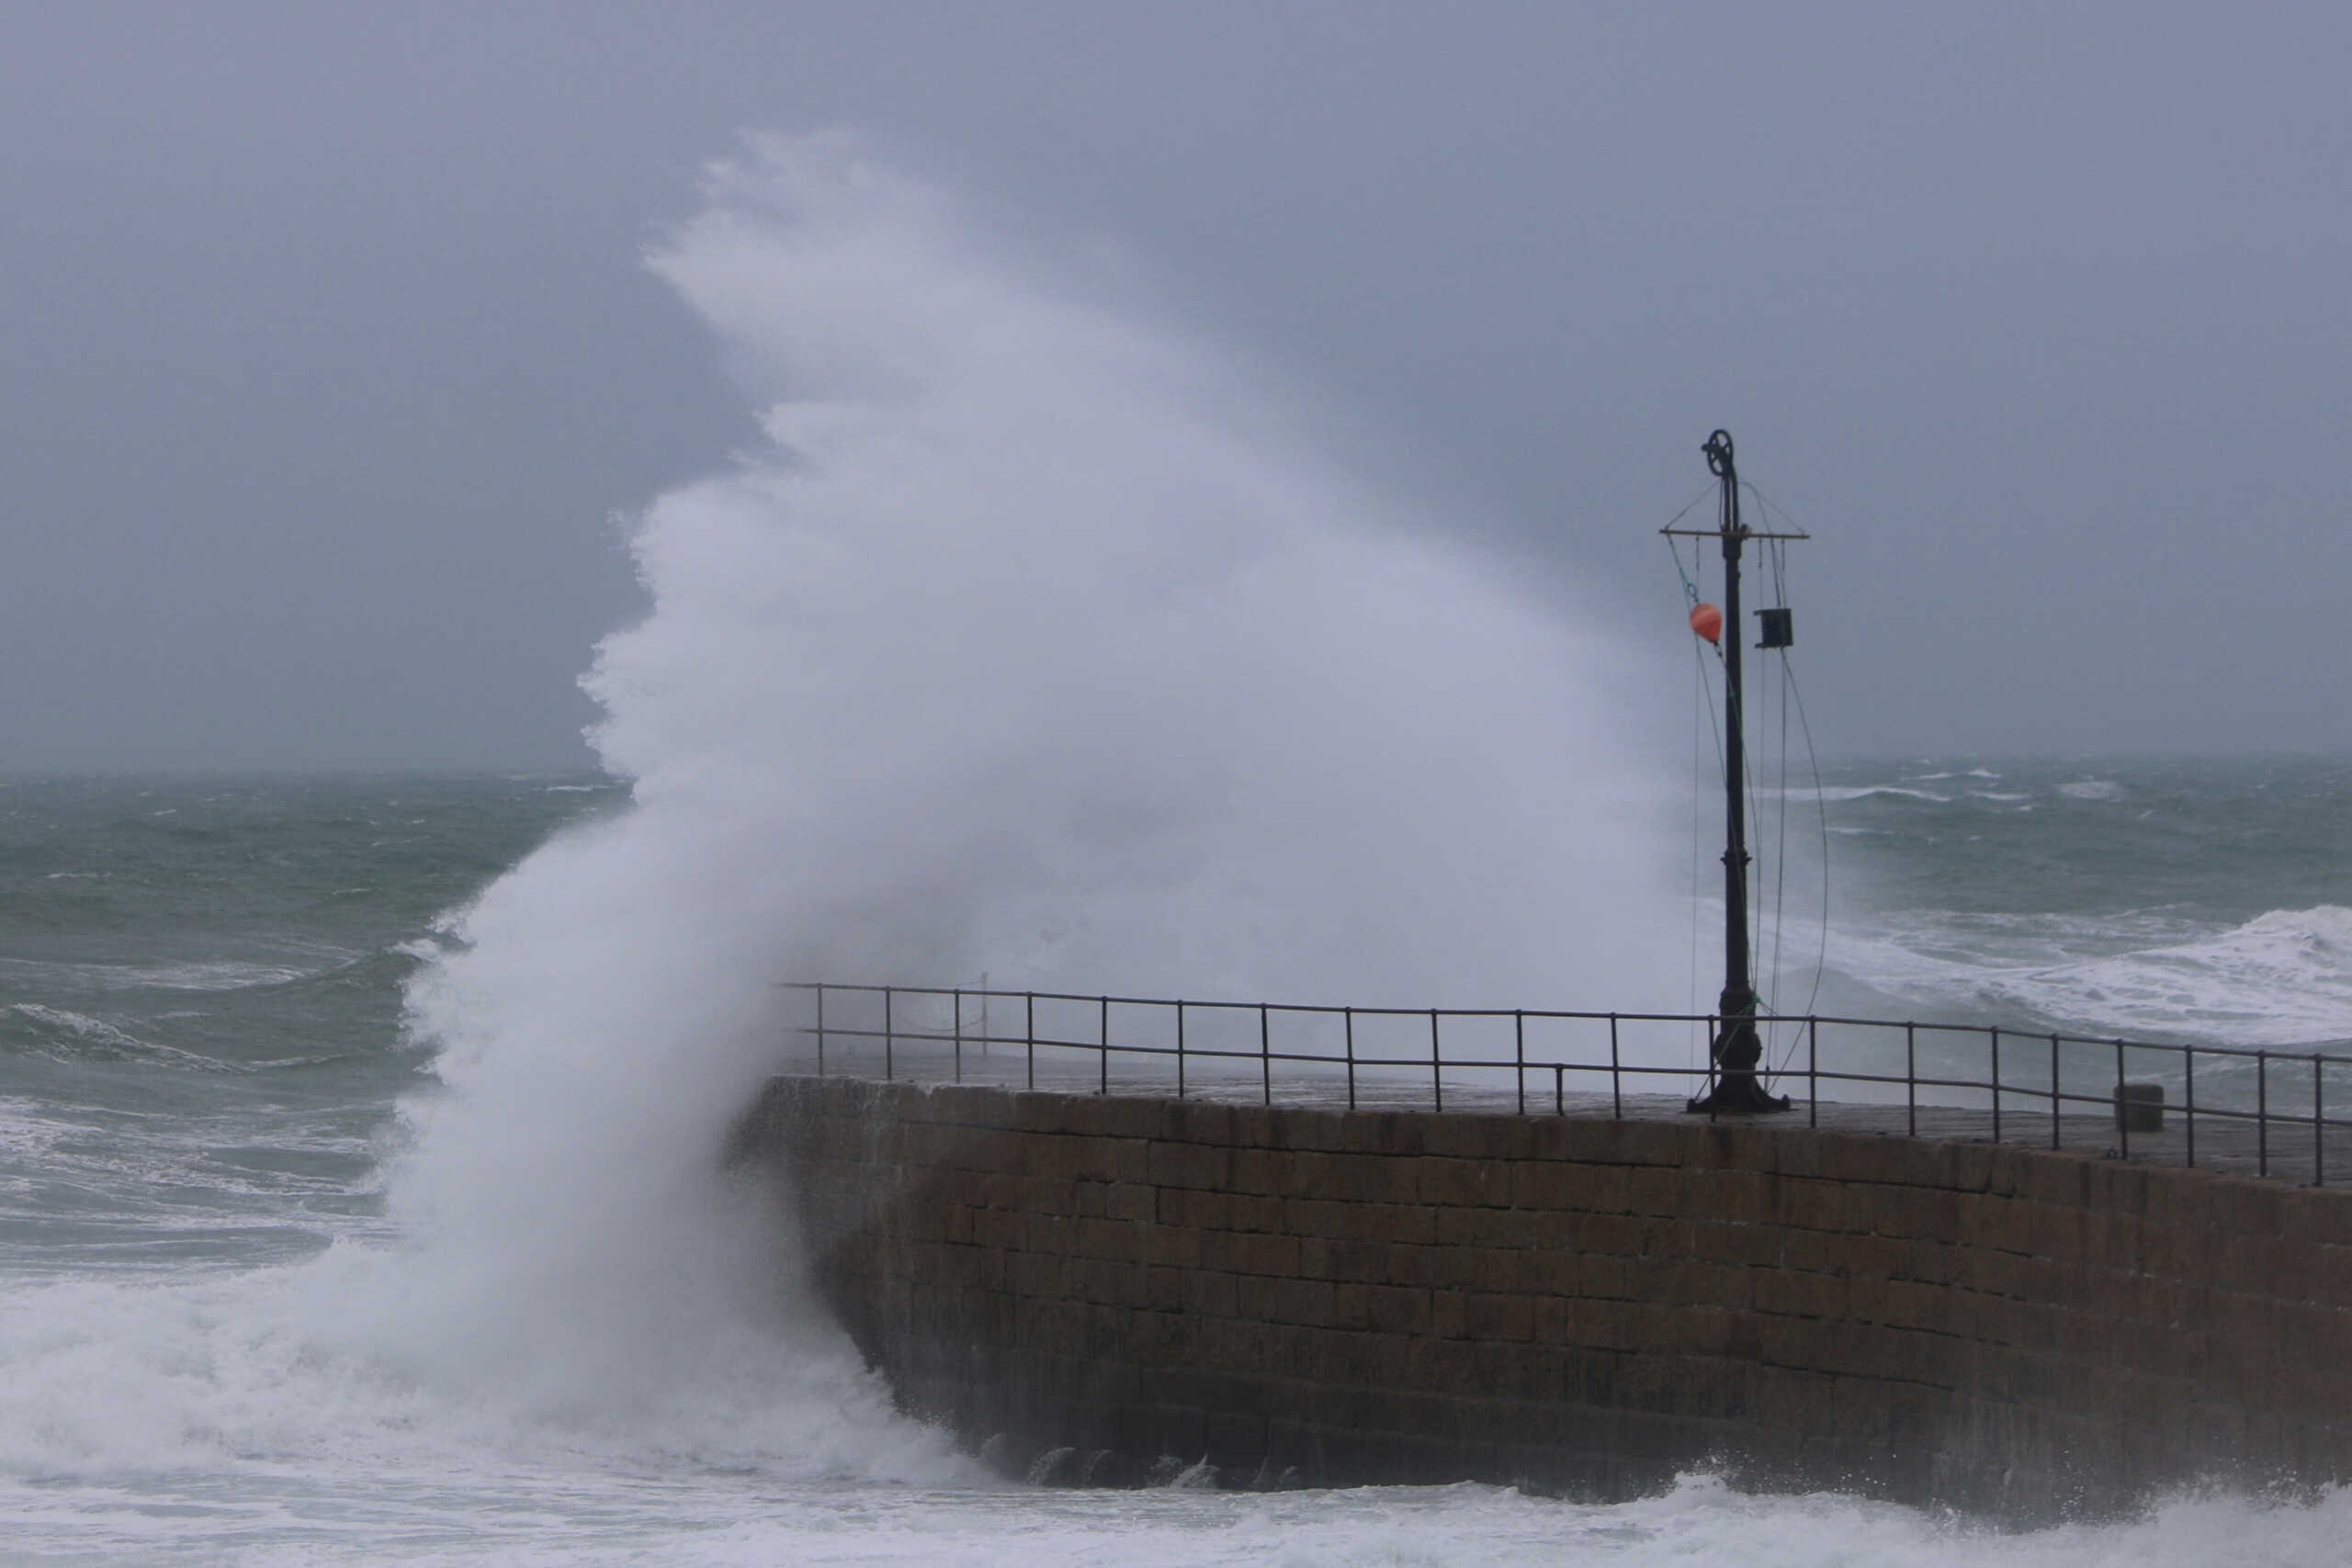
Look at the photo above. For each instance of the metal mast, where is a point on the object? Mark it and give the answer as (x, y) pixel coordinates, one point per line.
(1737, 1049)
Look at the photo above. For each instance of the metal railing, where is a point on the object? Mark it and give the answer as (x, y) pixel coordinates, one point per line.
(2265, 1111)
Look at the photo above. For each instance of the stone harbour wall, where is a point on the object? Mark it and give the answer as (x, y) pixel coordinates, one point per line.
(1581, 1304)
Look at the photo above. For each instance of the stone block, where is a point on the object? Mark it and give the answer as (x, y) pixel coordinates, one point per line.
(1041, 1113)
(1598, 1274)
(1260, 1253)
(1253, 1126)
(1005, 1229)
(1034, 1275)
(1049, 1195)
(1130, 1201)
(1320, 1131)
(1211, 1294)
(1354, 1259)
(1392, 1309)
(1351, 1305)
(1397, 1133)
(1196, 1208)
(1620, 1234)
(1806, 1204)
(1307, 1302)
(1669, 1190)
(1131, 1119)
(1746, 1244)
(1255, 1212)
(1268, 1172)
(1368, 1179)
(1490, 1316)
(1200, 1122)
(1476, 1267)
(1206, 1167)
(1476, 1137)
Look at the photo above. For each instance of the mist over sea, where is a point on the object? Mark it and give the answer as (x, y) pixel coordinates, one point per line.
(360, 1189)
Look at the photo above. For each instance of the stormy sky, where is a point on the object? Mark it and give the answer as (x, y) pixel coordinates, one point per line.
(329, 360)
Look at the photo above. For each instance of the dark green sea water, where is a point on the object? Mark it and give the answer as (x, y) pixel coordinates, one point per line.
(200, 999)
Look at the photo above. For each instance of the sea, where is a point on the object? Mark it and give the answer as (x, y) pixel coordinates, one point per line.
(226, 1337)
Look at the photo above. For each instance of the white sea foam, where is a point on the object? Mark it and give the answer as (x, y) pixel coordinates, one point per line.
(507, 1512)
(2282, 978)
(2091, 789)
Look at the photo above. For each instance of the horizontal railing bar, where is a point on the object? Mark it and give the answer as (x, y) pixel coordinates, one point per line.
(2030, 1090)
(2027, 1088)
(1564, 1015)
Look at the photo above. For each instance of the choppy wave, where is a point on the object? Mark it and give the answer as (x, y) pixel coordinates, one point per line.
(1840, 794)
(191, 976)
(2282, 978)
(59, 1031)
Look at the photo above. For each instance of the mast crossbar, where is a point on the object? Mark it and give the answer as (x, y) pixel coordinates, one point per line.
(1718, 533)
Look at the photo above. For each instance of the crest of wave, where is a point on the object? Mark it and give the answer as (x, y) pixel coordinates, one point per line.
(1024, 643)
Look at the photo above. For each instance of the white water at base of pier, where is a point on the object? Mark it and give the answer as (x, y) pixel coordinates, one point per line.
(512, 1513)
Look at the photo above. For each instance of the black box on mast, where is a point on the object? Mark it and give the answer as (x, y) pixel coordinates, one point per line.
(1775, 629)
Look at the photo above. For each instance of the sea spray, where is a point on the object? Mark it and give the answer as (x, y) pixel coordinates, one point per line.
(1027, 646)
(1021, 647)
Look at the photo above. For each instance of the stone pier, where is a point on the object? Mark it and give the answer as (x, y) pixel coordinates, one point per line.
(1575, 1302)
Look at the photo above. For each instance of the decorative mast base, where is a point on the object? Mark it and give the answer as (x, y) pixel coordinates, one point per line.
(1735, 1053)
(1736, 1050)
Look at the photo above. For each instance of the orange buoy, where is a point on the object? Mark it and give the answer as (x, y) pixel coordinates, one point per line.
(1707, 621)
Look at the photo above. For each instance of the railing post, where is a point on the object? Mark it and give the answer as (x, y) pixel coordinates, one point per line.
(1713, 1081)
(1559, 1088)
(1180, 1050)
(889, 1036)
(2055, 1099)
(1350, 1015)
(1029, 1031)
(1911, 1074)
(820, 1031)
(959, 1035)
(2319, 1120)
(1616, 1078)
(1265, 1057)
(1996, 1035)
(1518, 1055)
(1437, 1072)
(2262, 1112)
(2122, 1114)
(2189, 1079)
(1812, 1072)
(1103, 1033)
